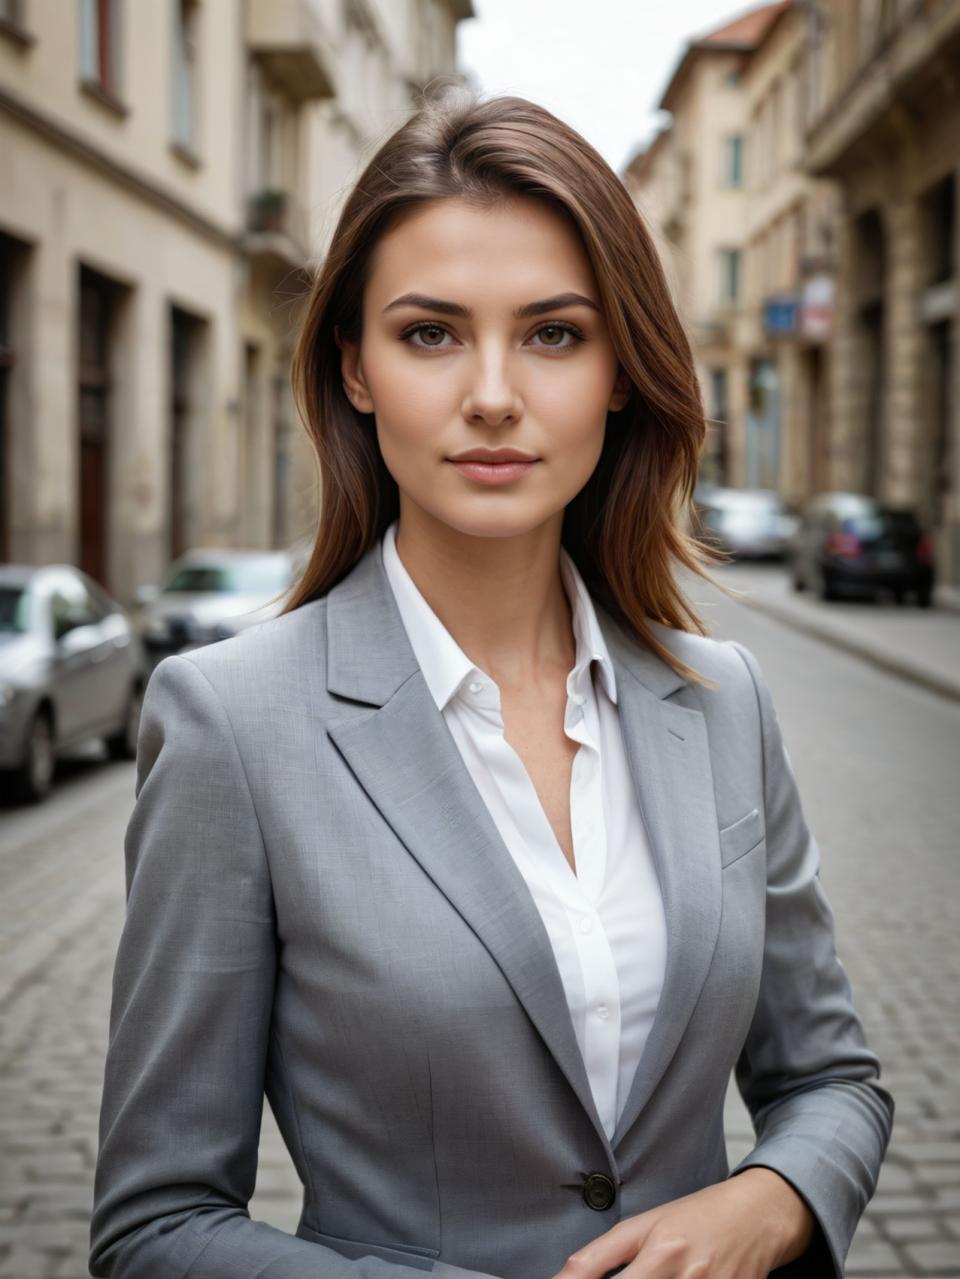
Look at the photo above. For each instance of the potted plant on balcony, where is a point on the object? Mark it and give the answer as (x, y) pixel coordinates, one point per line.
(267, 210)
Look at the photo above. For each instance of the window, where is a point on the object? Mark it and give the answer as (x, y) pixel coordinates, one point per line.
(718, 394)
(729, 275)
(71, 606)
(100, 45)
(184, 73)
(11, 12)
(14, 609)
(733, 161)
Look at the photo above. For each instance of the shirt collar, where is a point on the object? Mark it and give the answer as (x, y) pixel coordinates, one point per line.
(446, 666)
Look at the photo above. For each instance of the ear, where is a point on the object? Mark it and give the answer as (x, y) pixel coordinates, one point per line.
(621, 392)
(351, 368)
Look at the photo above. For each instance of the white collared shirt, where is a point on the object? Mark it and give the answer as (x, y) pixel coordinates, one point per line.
(606, 921)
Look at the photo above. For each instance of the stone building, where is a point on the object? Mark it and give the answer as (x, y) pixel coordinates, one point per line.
(170, 172)
(884, 124)
(783, 328)
(690, 185)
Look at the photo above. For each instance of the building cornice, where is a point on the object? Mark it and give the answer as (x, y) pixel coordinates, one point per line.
(145, 188)
(917, 54)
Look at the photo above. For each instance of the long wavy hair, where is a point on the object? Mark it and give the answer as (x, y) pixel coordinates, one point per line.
(627, 529)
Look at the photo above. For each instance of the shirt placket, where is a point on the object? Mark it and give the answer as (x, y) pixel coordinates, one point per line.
(600, 1018)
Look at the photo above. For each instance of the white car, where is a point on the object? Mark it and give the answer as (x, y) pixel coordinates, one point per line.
(71, 669)
(210, 595)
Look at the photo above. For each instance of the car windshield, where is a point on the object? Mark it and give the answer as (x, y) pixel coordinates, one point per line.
(14, 605)
(266, 576)
(758, 501)
(743, 500)
(880, 522)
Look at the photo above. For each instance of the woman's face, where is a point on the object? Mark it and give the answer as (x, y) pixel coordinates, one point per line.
(458, 367)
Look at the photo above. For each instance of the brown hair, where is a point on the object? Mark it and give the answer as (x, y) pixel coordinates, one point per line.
(625, 528)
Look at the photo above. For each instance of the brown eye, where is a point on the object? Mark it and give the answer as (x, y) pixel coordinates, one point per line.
(559, 331)
(417, 332)
(556, 331)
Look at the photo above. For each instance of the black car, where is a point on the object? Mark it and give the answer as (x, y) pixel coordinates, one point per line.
(851, 544)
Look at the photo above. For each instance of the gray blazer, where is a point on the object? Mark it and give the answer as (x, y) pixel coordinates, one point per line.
(321, 910)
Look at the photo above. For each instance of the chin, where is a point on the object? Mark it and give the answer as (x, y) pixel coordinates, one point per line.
(497, 520)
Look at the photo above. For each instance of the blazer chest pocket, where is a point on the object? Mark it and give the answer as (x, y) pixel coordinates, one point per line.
(741, 837)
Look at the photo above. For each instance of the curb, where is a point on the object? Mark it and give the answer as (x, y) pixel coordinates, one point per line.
(923, 677)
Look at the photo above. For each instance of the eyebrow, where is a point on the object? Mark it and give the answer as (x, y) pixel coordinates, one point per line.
(425, 303)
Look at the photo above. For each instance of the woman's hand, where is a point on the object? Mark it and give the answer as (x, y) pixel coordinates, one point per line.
(741, 1228)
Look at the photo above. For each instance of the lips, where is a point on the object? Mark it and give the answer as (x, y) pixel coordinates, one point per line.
(493, 457)
(486, 472)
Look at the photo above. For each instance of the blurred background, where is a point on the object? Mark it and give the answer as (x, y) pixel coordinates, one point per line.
(172, 171)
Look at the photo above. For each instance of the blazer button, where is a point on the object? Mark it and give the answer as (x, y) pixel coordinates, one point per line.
(599, 1191)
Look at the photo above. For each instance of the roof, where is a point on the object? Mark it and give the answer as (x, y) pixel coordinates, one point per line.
(739, 35)
(747, 30)
(641, 162)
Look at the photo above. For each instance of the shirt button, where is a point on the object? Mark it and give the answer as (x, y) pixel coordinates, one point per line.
(586, 924)
(475, 687)
(603, 1011)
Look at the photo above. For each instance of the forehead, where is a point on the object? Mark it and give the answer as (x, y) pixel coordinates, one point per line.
(516, 246)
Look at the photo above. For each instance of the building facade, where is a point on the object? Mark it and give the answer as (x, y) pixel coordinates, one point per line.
(690, 185)
(173, 171)
(884, 125)
(789, 273)
(834, 360)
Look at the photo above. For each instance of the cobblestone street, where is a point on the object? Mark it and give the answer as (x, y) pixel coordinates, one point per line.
(877, 763)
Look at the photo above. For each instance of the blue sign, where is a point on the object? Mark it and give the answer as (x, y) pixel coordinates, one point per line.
(780, 315)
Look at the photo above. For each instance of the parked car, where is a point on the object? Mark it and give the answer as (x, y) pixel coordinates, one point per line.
(746, 523)
(851, 544)
(71, 668)
(210, 595)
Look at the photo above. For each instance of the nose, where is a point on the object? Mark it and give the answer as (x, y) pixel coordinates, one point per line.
(491, 396)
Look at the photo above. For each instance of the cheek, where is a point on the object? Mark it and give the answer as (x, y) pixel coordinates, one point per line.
(408, 388)
(571, 405)
(572, 393)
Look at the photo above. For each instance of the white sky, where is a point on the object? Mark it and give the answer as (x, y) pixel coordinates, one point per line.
(600, 65)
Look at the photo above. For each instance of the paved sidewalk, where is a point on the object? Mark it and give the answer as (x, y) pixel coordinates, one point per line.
(919, 645)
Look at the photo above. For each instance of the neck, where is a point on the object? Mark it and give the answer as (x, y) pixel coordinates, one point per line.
(501, 598)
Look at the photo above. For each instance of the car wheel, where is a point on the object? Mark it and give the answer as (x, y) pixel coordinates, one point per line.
(123, 745)
(924, 597)
(33, 780)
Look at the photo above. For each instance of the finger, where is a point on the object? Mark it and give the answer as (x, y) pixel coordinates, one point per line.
(668, 1259)
(608, 1252)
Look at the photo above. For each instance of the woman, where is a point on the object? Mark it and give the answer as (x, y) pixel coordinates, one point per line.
(482, 860)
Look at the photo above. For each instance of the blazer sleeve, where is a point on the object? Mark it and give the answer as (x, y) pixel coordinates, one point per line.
(821, 1119)
(190, 1019)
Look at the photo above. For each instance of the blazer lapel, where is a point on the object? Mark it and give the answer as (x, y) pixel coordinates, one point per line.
(405, 758)
(669, 759)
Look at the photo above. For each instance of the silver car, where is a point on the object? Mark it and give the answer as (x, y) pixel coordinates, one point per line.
(746, 523)
(71, 669)
(211, 595)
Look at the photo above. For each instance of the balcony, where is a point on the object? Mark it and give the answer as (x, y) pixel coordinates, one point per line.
(276, 230)
(911, 72)
(289, 39)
